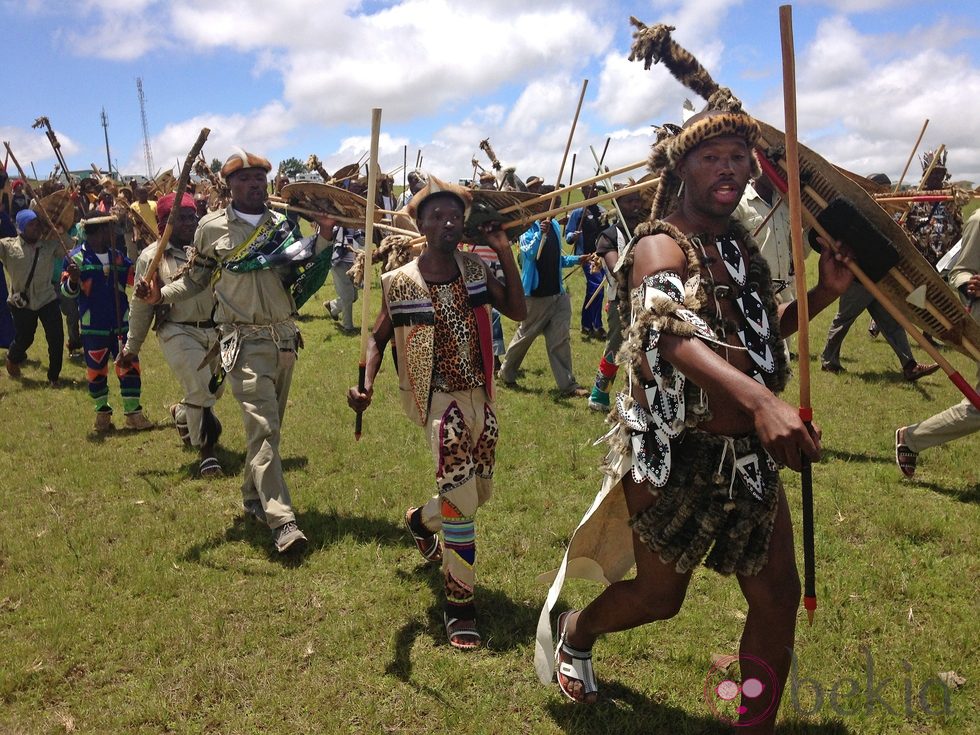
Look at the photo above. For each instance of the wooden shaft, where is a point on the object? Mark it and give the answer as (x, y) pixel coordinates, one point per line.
(584, 203)
(932, 164)
(931, 198)
(287, 207)
(368, 247)
(524, 221)
(794, 201)
(571, 133)
(568, 145)
(571, 177)
(182, 180)
(772, 211)
(911, 155)
(576, 185)
(602, 158)
(32, 195)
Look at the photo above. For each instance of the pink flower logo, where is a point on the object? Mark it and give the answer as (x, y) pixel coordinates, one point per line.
(726, 696)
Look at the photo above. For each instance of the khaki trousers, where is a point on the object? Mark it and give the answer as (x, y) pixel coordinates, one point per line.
(955, 422)
(260, 382)
(184, 347)
(551, 316)
(463, 435)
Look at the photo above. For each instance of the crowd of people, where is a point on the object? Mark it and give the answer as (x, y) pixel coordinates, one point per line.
(698, 432)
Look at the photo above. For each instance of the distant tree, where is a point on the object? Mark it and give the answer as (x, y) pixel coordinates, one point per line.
(292, 166)
(215, 165)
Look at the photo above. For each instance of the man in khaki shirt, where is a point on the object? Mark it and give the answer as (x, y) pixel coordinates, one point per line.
(259, 339)
(29, 260)
(186, 333)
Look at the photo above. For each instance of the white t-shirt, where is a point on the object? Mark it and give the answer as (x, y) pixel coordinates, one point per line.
(252, 219)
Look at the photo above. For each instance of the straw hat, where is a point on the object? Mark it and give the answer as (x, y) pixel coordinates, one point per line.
(437, 186)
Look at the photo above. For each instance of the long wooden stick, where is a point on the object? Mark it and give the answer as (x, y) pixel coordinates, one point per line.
(568, 145)
(571, 133)
(929, 198)
(32, 195)
(571, 177)
(287, 207)
(794, 201)
(932, 164)
(524, 221)
(911, 156)
(772, 211)
(185, 176)
(368, 246)
(576, 185)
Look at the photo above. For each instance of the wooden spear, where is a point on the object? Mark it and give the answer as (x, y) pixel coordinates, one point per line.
(564, 158)
(557, 193)
(802, 307)
(368, 245)
(287, 207)
(571, 177)
(30, 192)
(911, 156)
(185, 175)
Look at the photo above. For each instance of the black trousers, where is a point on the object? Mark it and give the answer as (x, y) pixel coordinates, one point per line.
(25, 327)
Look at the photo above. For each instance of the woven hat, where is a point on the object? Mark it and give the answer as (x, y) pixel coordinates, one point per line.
(242, 159)
(91, 224)
(438, 187)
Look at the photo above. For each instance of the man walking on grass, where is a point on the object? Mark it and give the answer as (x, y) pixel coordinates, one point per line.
(437, 308)
(251, 256)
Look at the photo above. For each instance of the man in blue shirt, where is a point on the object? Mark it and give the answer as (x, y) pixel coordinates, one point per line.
(549, 309)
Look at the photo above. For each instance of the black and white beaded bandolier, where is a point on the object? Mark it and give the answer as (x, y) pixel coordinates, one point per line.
(726, 269)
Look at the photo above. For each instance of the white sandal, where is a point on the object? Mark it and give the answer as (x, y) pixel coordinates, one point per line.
(577, 668)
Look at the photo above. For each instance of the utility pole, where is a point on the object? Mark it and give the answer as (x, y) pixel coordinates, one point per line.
(147, 153)
(105, 128)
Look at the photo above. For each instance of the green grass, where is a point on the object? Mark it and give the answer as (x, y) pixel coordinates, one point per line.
(134, 599)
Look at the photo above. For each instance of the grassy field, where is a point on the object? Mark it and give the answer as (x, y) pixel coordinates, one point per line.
(134, 599)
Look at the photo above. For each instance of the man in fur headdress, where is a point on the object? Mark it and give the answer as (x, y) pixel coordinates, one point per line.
(437, 309)
(698, 433)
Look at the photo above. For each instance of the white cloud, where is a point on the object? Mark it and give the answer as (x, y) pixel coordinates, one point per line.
(31, 145)
(863, 109)
(258, 132)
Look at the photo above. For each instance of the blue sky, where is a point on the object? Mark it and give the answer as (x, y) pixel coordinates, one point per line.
(297, 77)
